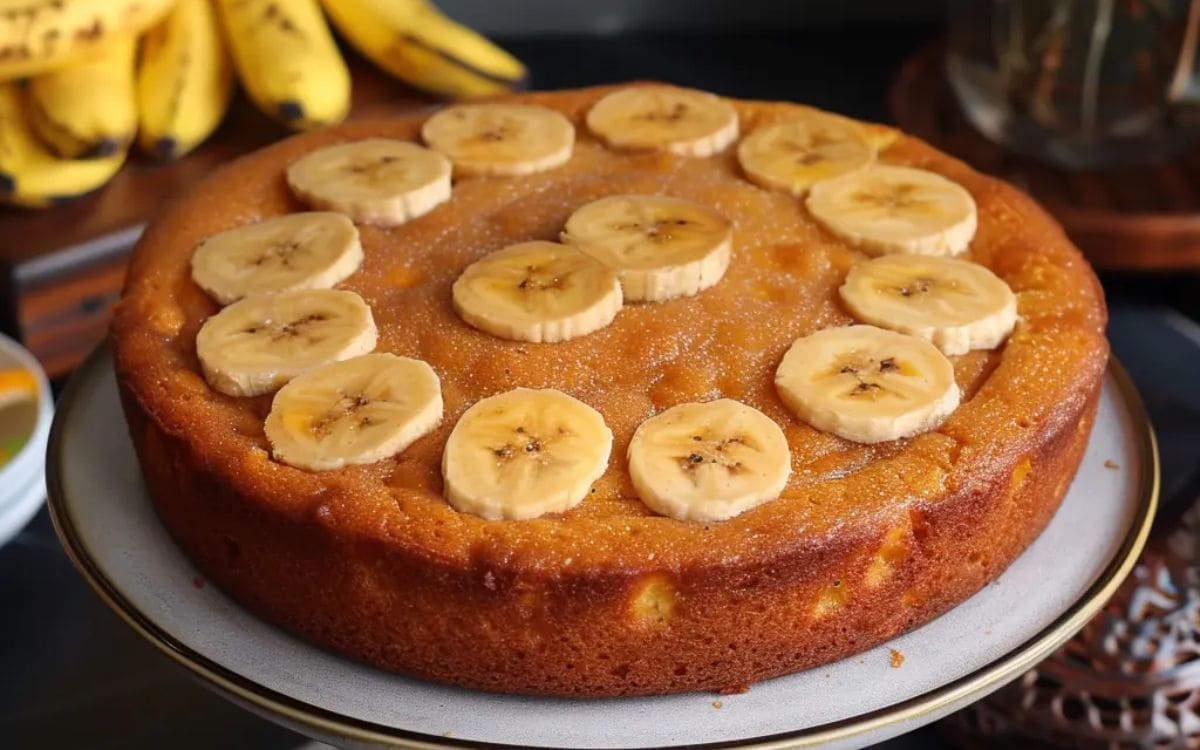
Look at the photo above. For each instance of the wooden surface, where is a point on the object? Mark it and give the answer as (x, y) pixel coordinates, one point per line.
(61, 268)
(1142, 218)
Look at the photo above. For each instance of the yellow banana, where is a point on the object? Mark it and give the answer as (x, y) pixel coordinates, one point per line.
(184, 80)
(414, 41)
(32, 176)
(39, 35)
(287, 60)
(87, 107)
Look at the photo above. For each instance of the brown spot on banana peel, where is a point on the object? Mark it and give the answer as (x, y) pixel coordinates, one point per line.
(91, 33)
(273, 15)
(10, 53)
(49, 37)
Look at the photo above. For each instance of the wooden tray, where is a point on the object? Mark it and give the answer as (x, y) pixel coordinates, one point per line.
(1142, 218)
(61, 268)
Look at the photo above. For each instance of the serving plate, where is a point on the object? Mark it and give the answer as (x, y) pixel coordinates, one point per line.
(108, 526)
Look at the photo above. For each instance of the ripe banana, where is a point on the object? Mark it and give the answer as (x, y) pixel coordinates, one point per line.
(287, 60)
(500, 139)
(708, 461)
(866, 384)
(256, 345)
(413, 41)
(184, 80)
(660, 247)
(651, 118)
(357, 411)
(793, 154)
(956, 305)
(310, 250)
(524, 453)
(373, 181)
(39, 35)
(87, 107)
(537, 291)
(891, 209)
(30, 175)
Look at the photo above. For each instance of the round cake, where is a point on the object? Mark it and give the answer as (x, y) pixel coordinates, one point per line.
(844, 504)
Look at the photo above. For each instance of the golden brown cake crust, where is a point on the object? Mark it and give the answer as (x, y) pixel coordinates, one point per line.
(607, 599)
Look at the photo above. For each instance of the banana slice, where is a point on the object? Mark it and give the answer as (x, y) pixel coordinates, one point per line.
(959, 306)
(537, 291)
(793, 154)
(866, 384)
(660, 247)
(373, 181)
(682, 121)
(313, 250)
(890, 209)
(500, 139)
(708, 461)
(357, 411)
(524, 453)
(256, 345)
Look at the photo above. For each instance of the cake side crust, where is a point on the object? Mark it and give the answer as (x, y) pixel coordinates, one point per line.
(615, 632)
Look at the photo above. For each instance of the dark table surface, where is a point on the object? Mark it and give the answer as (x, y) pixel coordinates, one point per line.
(73, 676)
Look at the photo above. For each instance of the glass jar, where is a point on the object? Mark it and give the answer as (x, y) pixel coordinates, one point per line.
(1080, 83)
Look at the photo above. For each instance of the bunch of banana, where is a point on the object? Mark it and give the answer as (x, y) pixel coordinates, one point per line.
(81, 81)
(67, 132)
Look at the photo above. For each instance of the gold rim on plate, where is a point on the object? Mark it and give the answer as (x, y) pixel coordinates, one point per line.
(330, 724)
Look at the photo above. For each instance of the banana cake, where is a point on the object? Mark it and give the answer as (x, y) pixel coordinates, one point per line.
(618, 391)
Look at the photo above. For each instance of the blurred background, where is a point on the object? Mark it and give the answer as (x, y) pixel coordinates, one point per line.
(1087, 104)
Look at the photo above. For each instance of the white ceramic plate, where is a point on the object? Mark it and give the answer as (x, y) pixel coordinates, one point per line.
(108, 525)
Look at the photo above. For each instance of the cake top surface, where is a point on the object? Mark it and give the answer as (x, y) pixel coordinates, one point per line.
(725, 342)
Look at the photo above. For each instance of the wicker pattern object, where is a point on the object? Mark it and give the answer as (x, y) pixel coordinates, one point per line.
(1130, 680)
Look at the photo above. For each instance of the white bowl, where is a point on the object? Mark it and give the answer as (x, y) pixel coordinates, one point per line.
(22, 479)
